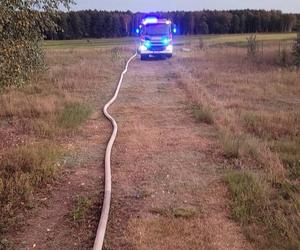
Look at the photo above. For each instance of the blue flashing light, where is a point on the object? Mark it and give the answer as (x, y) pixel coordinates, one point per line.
(174, 30)
(147, 44)
(150, 20)
(137, 31)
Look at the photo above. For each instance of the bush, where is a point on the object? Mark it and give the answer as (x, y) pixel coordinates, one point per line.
(252, 46)
(284, 57)
(203, 114)
(296, 51)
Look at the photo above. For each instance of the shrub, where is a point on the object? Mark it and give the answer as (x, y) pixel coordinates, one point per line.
(201, 44)
(203, 114)
(284, 57)
(296, 51)
(252, 46)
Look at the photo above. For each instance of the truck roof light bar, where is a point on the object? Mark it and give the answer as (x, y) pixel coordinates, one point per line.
(150, 20)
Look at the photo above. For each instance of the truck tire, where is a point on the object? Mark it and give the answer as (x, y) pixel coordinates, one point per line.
(169, 55)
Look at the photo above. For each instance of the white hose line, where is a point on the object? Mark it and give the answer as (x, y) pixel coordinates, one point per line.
(107, 189)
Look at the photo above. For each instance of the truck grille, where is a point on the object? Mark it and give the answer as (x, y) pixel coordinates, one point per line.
(157, 47)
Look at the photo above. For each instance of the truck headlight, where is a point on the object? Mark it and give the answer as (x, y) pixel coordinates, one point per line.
(169, 47)
(143, 48)
(165, 41)
(147, 44)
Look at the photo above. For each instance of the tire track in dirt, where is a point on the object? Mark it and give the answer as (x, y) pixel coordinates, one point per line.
(167, 188)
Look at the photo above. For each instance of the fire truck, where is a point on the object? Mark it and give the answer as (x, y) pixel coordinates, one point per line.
(156, 37)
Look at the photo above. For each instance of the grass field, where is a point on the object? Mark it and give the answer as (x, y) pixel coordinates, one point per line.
(252, 103)
(40, 119)
(100, 43)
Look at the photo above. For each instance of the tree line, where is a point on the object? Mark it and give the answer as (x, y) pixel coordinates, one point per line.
(99, 24)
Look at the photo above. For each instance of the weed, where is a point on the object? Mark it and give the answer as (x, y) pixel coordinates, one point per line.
(230, 143)
(284, 57)
(249, 194)
(82, 206)
(203, 114)
(252, 46)
(201, 44)
(177, 212)
(160, 211)
(73, 115)
(184, 212)
(289, 152)
(296, 51)
(250, 146)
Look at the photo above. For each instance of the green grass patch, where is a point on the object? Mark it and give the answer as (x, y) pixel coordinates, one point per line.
(81, 208)
(178, 40)
(203, 114)
(89, 43)
(248, 192)
(22, 172)
(73, 115)
(268, 212)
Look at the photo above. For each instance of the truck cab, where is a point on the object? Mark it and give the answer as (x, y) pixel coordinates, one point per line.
(155, 38)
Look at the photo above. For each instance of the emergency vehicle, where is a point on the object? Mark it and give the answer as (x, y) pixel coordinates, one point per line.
(156, 37)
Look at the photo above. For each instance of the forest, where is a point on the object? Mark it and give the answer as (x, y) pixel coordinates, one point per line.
(107, 24)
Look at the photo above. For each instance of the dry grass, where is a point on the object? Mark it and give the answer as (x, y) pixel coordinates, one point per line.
(186, 212)
(169, 233)
(22, 172)
(203, 114)
(52, 106)
(256, 110)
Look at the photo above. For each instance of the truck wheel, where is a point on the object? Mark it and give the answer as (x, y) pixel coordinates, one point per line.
(144, 57)
(169, 56)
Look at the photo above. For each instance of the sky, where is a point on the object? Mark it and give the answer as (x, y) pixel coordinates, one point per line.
(292, 6)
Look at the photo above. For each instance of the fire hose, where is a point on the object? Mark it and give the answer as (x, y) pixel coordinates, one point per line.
(98, 244)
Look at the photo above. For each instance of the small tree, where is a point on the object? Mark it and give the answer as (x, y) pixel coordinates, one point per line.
(252, 46)
(296, 51)
(22, 23)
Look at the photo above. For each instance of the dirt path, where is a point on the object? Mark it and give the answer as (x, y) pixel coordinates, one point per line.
(167, 189)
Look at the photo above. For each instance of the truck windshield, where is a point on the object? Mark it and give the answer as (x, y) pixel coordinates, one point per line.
(160, 29)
